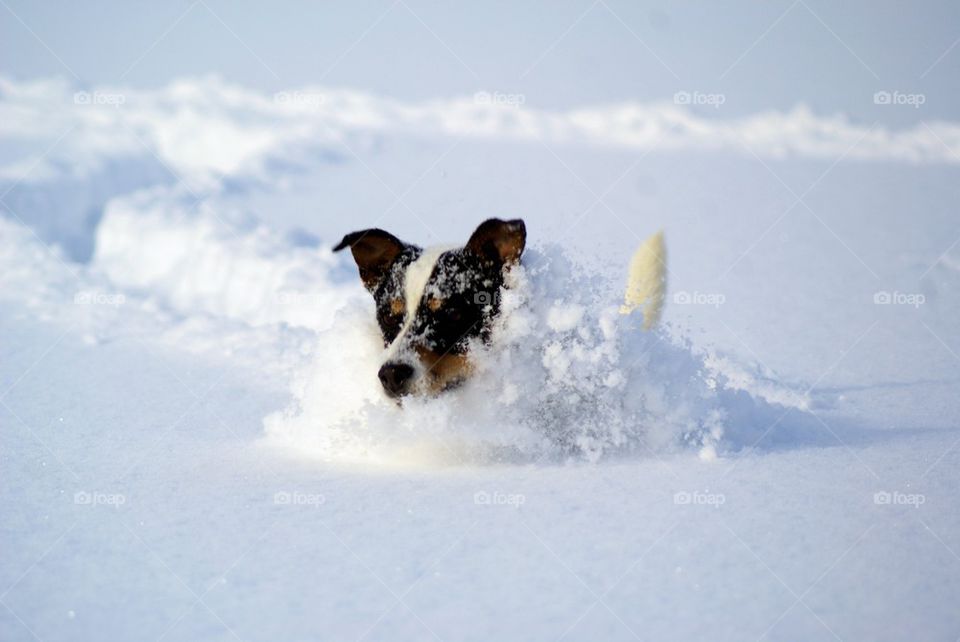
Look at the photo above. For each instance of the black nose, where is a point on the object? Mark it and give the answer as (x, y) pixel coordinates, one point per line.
(394, 377)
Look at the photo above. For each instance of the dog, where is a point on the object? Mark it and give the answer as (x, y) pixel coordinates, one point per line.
(432, 304)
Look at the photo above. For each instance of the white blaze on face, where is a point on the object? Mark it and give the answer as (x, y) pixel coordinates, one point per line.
(414, 283)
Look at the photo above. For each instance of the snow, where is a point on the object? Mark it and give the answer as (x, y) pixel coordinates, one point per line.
(195, 445)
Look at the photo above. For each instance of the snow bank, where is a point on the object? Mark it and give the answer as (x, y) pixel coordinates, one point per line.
(66, 153)
(205, 126)
(145, 199)
(221, 262)
(567, 377)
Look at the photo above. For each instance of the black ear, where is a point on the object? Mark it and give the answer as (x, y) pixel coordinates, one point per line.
(374, 251)
(499, 242)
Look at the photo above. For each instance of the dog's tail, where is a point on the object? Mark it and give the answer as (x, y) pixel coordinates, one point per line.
(647, 281)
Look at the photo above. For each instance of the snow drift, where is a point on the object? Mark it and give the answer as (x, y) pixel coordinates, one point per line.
(177, 334)
(566, 376)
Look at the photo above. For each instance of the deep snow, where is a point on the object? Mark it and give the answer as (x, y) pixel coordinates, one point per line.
(194, 444)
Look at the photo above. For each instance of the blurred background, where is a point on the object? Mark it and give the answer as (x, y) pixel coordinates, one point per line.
(559, 54)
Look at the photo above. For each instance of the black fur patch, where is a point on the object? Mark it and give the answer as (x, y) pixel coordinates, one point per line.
(461, 297)
(390, 316)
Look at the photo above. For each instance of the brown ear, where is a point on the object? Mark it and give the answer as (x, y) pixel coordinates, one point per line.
(499, 242)
(374, 251)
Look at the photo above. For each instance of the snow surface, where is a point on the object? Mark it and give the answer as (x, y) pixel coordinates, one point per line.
(195, 446)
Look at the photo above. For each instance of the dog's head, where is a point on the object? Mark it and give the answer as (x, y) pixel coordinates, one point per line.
(432, 303)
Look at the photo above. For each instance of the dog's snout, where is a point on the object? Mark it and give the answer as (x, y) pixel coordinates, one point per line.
(395, 377)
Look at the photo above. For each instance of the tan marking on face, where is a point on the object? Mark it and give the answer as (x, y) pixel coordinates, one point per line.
(397, 306)
(443, 371)
(434, 303)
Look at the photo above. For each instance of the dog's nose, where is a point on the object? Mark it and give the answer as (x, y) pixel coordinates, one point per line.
(394, 377)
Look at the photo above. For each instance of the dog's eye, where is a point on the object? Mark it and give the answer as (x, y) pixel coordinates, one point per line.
(397, 306)
(434, 304)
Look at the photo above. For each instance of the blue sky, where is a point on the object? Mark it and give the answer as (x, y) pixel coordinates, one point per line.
(831, 56)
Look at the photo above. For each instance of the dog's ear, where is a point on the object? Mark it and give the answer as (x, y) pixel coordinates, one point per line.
(499, 242)
(374, 251)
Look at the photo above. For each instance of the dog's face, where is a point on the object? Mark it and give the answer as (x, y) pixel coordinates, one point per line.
(432, 303)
